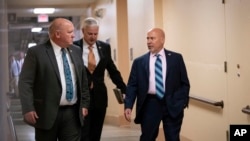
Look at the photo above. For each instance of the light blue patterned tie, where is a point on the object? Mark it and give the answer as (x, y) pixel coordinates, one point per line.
(158, 77)
(68, 77)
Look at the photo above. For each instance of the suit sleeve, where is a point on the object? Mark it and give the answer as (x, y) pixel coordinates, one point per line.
(26, 81)
(132, 87)
(185, 85)
(85, 89)
(114, 73)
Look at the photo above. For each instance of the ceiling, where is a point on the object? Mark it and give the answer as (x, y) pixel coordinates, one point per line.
(21, 18)
(23, 8)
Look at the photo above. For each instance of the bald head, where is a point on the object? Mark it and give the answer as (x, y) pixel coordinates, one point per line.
(155, 40)
(61, 31)
(158, 31)
(58, 24)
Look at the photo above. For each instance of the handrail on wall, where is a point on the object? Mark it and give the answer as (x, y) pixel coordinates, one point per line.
(211, 102)
(12, 128)
(246, 110)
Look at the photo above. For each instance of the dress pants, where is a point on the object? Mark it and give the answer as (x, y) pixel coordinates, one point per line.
(153, 113)
(67, 126)
(93, 123)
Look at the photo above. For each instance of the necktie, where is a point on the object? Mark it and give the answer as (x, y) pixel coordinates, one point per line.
(158, 77)
(91, 60)
(68, 77)
(91, 63)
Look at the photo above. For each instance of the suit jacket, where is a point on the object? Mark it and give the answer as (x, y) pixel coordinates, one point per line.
(40, 85)
(100, 98)
(176, 84)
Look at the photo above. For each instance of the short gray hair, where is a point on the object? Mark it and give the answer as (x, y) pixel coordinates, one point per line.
(90, 21)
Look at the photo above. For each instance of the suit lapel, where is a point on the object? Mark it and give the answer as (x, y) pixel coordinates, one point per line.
(74, 60)
(168, 62)
(146, 63)
(52, 58)
(99, 49)
(101, 55)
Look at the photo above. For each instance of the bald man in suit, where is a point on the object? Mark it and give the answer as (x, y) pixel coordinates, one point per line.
(156, 101)
(43, 86)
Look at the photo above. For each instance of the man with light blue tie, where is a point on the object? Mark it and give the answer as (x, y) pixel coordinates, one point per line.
(158, 81)
(53, 86)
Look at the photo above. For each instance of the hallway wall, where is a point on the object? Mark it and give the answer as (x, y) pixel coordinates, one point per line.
(210, 34)
(4, 130)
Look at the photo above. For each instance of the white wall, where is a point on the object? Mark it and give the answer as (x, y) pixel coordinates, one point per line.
(208, 33)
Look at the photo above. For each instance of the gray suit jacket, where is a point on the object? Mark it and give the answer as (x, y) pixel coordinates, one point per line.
(40, 85)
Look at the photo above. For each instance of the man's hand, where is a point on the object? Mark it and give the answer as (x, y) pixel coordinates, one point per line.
(84, 112)
(127, 114)
(30, 117)
(123, 96)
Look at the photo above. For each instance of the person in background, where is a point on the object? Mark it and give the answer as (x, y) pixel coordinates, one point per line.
(21, 59)
(14, 75)
(159, 82)
(97, 58)
(53, 86)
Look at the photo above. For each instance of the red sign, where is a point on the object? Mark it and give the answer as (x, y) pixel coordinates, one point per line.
(42, 18)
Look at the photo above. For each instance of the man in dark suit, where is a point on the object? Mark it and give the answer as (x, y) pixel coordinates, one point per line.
(44, 90)
(161, 89)
(92, 129)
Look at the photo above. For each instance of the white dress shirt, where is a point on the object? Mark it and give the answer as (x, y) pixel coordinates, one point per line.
(58, 54)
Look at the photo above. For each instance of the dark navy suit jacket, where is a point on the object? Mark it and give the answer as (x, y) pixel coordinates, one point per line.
(176, 84)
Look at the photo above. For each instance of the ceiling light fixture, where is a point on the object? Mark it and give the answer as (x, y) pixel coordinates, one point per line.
(31, 45)
(44, 10)
(36, 29)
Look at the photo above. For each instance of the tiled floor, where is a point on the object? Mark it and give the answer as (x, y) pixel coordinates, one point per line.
(110, 133)
(25, 132)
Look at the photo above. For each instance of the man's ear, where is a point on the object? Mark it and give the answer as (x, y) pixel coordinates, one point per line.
(57, 34)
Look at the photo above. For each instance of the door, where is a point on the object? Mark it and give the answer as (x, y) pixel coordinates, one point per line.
(238, 52)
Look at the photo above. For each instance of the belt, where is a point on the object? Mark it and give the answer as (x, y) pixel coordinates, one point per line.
(151, 95)
(67, 106)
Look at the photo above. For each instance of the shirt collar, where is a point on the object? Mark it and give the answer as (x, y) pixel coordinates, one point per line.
(86, 45)
(161, 52)
(57, 49)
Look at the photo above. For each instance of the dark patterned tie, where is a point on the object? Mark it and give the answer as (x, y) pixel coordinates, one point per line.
(68, 77)
(158, 77)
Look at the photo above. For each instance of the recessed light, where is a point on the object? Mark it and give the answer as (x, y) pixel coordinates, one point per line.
(44, 10)
(36, 29)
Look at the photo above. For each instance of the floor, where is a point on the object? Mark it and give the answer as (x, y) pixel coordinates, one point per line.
(25, 132)
(110, 133)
